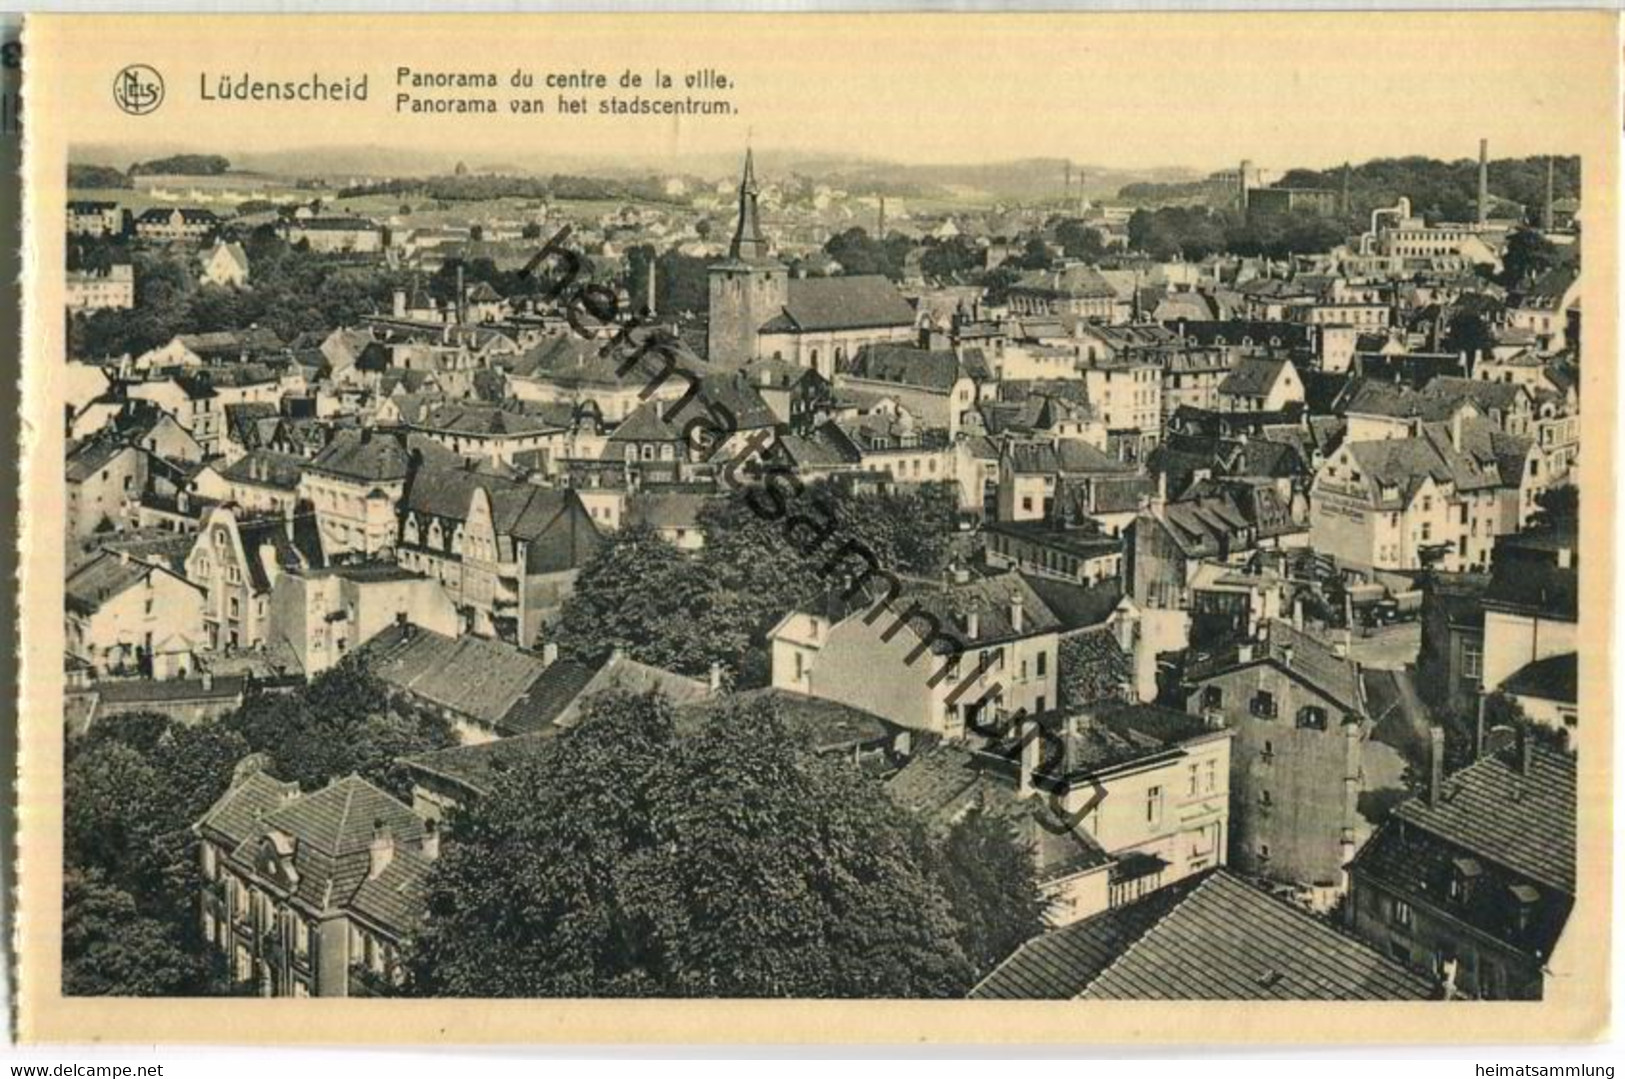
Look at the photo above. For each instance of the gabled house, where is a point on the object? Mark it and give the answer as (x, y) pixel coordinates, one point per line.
(225, 264)
(1259, 384)
(1475, 880)
(236, 560)
(130, 617)
(311, 894)
(1310, 768)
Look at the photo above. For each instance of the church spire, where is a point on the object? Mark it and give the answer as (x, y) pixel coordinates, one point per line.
(748, 242)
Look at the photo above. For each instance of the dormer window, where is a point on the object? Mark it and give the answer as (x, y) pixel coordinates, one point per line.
(1464, 874)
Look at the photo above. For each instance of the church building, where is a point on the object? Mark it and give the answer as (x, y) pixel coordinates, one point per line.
(758, 311)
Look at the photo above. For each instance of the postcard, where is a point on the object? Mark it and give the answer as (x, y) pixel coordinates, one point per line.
(1052, 528)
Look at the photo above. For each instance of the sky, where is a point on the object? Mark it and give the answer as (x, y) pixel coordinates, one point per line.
(1113, 90)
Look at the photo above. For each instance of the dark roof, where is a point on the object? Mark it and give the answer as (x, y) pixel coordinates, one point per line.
(374, 457)
(1555, 678)
(1292, 650)
(90, 457)
(1076, 605)
(265, 468)
(824, 725)
(930, 369)
(1252, 377)
(1523, 821)
(103, 577)
(487, 680)
(170, 690)
(1217, 939)
(816, 304)
(322, 840)
(293, 541)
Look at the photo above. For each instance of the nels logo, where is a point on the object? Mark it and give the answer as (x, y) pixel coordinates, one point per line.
(138, 89)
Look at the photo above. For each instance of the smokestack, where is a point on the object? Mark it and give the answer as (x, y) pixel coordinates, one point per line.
(431, 840)
(462, 297)
(651, 303)
(1246, 168)
(1546, 214)
(1435, 763)
(880, 223)
(1346, 179)
(1483, 182)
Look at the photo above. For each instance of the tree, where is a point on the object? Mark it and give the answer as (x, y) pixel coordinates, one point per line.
(1557, 507)
(109, 948)
(859, 254)
(1080, 241)
(1528, 255)
(992, 884)
(625, 858)
(344, 721)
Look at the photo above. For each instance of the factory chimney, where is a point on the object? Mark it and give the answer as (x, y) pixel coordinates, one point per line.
(1483, 182)
(1546, 218)
(880, 223)
(1243, 181)
(651, 304)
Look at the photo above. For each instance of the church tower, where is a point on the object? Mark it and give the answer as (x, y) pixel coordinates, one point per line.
(749, 288)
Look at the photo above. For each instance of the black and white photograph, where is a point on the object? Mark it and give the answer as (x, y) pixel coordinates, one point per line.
(565, 526)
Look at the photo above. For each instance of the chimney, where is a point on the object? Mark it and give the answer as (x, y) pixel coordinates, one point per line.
(1546, 217)
(1244, 652)
(1297, 613)
(208, 681)
(462, 297)
(651, 302)
(431, 840)
(716, 677)
(1286, 655)
(1526, 751)
(1456, 421)
(1032, 748)
(381, 851)
(550, 653)
(1435, 763)
(973, 623)
(398, 306)
(1483, 182)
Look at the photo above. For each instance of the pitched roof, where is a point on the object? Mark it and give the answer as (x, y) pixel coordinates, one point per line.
(817, 304)
(1523, 821)
(102, 578)
(266, 468)
(1555, 678)
(1072, 282)
(930, 369)
(1252, 376)
(1218, 938)
(1301, 654)
(487, 680)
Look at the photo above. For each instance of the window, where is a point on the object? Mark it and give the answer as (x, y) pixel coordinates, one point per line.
(1263, 704)
(1472, 659)
(1194, 778)
(1402, 915)
(1043, 664)
(1212, 782)
(1312, 717)
(1153, 805)
(1212, 697)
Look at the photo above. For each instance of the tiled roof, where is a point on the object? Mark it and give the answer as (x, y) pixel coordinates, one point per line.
(89, 458)
(1074, 282)
(1219, 939)
(265, 468)
(1523, 821)
(1252, 377)
(102, 578)
(1311, 660)
(930, 369)
(376, 457)
(494, 683)
(1061, 964)
(992, 599)
(238, 813)
(817, 304)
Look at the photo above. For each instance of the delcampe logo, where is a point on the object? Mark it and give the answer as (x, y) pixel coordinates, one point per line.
(138, 89)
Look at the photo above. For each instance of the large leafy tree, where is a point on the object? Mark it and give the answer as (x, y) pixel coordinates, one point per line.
(991, 880)
(629, 858)
(344, 721)
(111, 948)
